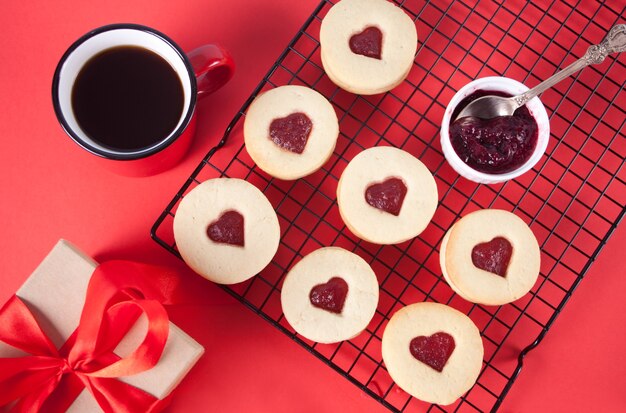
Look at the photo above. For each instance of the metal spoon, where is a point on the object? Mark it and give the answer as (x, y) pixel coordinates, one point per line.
(488, 107)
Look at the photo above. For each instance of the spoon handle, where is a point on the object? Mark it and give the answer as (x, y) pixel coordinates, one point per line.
(614, 42)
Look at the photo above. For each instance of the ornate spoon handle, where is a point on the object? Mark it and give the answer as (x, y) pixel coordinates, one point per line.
(614, 42)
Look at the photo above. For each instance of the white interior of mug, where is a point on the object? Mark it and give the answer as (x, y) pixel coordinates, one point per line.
(106, 40)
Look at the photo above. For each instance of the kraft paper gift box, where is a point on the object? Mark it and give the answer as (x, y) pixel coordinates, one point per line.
(55, 294)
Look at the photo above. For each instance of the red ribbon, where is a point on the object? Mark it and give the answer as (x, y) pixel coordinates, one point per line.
(50, 380)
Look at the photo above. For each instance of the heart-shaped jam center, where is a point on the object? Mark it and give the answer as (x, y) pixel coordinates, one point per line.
(387, 196)
(330, 296)
(227, 229)
(291, 132)
(368, 43)
(434, 350)
(493, 256)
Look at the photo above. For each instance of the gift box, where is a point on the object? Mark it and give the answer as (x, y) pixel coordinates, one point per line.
(55, 294)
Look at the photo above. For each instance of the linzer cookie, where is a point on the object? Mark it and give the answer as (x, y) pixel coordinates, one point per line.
(226, 230)
(490, 257)
(290, 131)
(386, 195)
(330, 295)
(432, 351)
(367, 46)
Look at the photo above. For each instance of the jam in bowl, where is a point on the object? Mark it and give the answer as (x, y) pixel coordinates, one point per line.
(499, 149)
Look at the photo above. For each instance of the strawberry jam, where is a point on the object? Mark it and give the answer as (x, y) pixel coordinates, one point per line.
(497, 145)
(368, 43)
(387, 196)
(493, 256)
(291, 132)
(434, 350)
(227, 229)
(330, 296)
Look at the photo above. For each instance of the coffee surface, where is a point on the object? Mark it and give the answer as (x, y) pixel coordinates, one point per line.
(127, 98)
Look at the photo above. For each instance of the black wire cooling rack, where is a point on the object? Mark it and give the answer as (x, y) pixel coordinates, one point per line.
(572, 199)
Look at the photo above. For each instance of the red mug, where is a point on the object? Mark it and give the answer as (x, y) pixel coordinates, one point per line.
(201, 72)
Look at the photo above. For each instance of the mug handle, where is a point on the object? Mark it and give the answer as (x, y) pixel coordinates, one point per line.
(213, 67)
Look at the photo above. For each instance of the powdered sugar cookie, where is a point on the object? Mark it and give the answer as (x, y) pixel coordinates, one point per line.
(386, 195)
(490, 257)
(367, 46)
(330, 295)
(226, 230)
(432, 351)
(290, 131)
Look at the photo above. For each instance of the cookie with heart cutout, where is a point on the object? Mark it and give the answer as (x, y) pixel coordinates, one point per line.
(330, 295)
(490, 257)
(290, 131)
(432, 351)
(226, 230)
(367, 46)
(386, 195)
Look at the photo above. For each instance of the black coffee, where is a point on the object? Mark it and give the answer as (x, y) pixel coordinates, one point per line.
(127, 98)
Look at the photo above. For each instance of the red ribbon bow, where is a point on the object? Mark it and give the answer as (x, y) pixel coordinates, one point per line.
(50, 380)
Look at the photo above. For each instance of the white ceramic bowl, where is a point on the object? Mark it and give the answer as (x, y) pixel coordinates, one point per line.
(500, 84)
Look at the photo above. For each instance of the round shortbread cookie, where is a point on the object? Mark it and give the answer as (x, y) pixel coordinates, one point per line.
(277, 105)
(374, 166)
(203, 210)
(484, 287)
(426, 321)
(359, 73)
(314, 272)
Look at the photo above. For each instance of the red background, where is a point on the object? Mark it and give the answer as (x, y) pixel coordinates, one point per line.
(51, 189)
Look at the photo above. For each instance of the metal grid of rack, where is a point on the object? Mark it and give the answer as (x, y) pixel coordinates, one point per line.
(572, 199)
